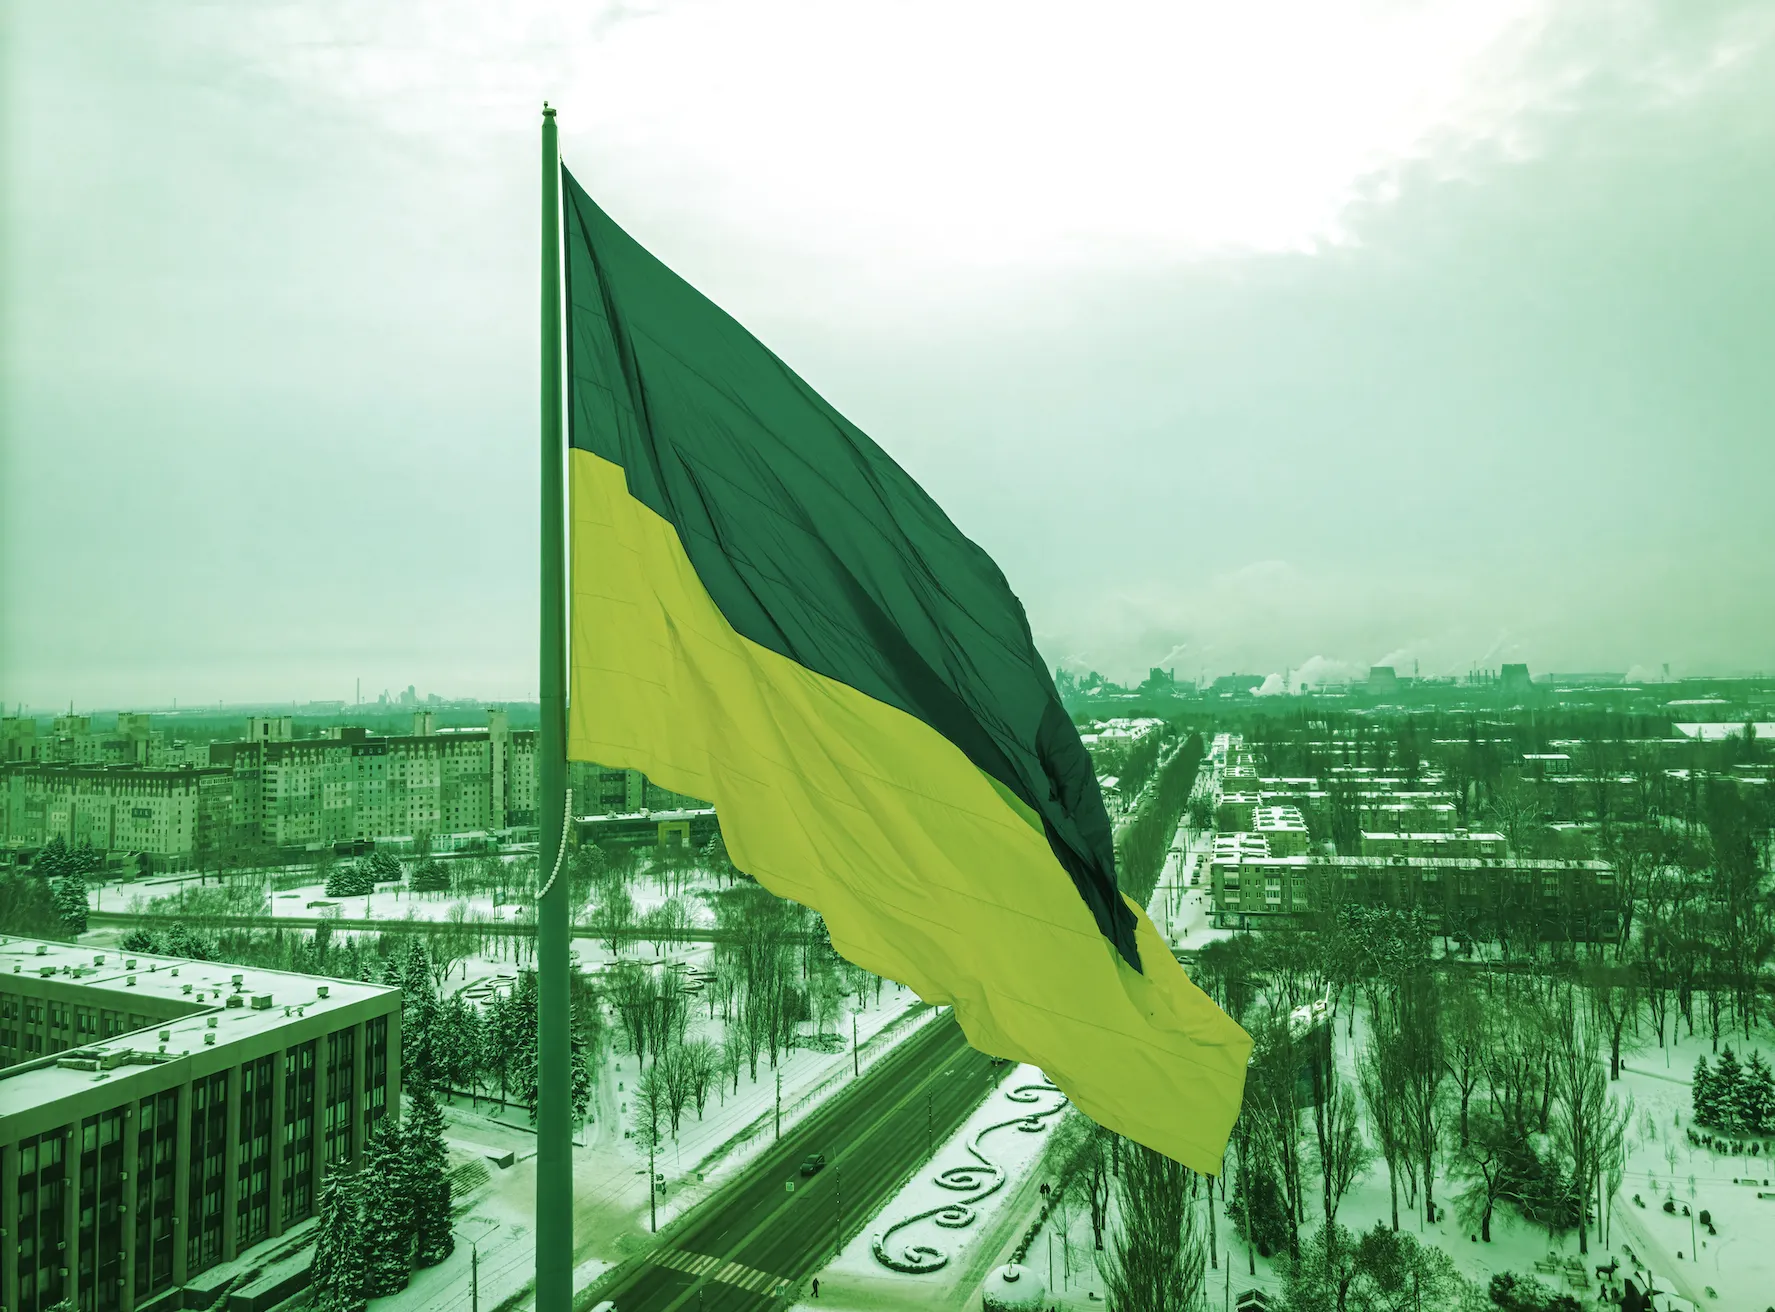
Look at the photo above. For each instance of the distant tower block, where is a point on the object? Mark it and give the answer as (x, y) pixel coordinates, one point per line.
(1382, 681)
(1514, 681)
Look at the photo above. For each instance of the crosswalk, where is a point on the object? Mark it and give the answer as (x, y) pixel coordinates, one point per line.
(728, 1273)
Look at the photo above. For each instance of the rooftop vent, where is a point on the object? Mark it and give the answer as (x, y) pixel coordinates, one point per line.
(43, 949)
(184, 988)
(261, 1002)
(210, 1021)
(129, 981)
(320, 991)
(175, 970)
(238, 979)
(235, 1000)
(129, 963)
(209, 1038)
(98, 959)
(46, 971)
(165, 1035)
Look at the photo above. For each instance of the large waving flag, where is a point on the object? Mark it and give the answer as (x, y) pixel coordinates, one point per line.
(767, 612)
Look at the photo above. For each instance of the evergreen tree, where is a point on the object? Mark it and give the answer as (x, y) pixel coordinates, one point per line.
(388, 1211)
(27, 906)
(348, 879)
(69, 894)
(1728, 1090)
(1756, 1096)
(339, 1257)
(55, 861)
(431, 876)
(423, 1040)
(384, 868)
(423, 1142)
(1704, 1103)
(181, 942)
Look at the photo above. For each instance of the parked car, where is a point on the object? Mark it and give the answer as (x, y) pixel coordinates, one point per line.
(813, 1163)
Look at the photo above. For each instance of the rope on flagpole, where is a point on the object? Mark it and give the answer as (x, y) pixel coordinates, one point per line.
(561, 847)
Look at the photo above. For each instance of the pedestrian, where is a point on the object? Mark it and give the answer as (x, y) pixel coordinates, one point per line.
(816, 1286)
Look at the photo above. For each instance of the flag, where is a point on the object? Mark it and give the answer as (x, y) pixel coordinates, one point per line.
(765, 611)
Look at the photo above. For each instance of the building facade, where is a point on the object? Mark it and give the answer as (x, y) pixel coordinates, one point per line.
(1489, 896)
(352, 785)
(160, 1116)
(168, 814)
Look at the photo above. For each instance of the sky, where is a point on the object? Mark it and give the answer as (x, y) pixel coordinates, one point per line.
(1281, 335)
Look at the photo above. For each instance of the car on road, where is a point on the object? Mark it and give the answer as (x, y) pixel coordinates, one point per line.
(813, 1163)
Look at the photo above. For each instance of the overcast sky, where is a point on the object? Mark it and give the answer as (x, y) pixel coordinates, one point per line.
(1243, 335)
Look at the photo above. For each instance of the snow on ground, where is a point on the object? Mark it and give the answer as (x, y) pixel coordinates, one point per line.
(856, 1280)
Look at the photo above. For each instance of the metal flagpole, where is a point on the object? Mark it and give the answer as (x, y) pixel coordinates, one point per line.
(554, 1100)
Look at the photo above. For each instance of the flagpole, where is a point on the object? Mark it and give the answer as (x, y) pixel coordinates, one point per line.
(554, 1094)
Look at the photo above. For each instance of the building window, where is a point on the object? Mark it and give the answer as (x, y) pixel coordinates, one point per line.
(375, 1071)
(41, 1241)
(209, 1138)
(157, 1138)
(337, 1127)
(252, 1188)
(100, 1215)
(298, 1144)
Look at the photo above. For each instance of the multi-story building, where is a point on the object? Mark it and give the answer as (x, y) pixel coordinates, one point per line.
(1284, 827)
(601, 790)
(160, 1116)
(168, 814)
(1234, 811)
(351, 785)
(1573, 899)
(1458, 842)
(18, 739)
(1399, 813)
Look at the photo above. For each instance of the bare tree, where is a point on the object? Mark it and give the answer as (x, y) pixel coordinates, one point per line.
(1614, 1000)
(1482, 1161)
(702, 1060)
(674, 1069)
(733, 1055)
(1582, 1099)
(1379, 1078)
(1424, 1083)
(650, 1107)
(1467, 1037)
(1157, 1261)
(1344, 1154)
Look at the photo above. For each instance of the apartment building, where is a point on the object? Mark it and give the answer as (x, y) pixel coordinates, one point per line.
(353, 785)
(1578, 899)
(168, 814)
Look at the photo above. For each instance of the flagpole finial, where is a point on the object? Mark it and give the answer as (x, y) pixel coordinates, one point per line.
(548, 110)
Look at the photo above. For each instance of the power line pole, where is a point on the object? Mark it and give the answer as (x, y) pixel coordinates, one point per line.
(779, 1071)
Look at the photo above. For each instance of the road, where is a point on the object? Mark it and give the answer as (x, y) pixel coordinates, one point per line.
(755, 1242)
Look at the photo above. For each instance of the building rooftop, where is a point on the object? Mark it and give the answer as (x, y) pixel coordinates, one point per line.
(213, 1004)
